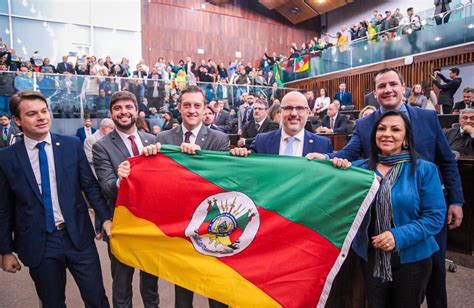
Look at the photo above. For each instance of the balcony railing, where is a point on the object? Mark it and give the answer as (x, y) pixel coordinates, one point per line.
(391, 44)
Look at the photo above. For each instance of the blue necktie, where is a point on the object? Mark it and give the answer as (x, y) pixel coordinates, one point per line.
(46, 187)
(5, 133)
(289, 147)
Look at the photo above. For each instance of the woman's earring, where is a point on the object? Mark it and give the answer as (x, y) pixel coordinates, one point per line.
(405, 145)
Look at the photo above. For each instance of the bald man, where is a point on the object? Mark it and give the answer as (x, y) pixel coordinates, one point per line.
(106, 126)
(292, 139)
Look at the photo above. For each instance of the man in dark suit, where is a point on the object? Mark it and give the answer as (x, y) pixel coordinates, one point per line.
(7, 131)
(344, 97)
(107, 154)
(43, 214)
(448, 88)
(292, 139)
(467, 100)
(371, 100)
(261, 123)
(333, 122)
(431, 144)
(192, 135)
(86, 131)
(461, 139)
(64, 67)
(222, 117)
(208, 118)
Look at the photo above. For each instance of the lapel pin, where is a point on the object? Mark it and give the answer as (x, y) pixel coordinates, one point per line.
(58, 144)
(146, 141)
(203, 139)
(310, 140)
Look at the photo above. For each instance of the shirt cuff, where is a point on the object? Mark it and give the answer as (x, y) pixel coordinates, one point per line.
(327, 157)
(456, 204)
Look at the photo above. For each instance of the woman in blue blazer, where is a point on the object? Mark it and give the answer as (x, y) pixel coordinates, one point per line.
(396, 240)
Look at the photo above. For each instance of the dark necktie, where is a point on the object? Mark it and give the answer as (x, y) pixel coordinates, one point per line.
(187, 136)
(257, 126)
(134, 145)
(46, 187)
(332, 123)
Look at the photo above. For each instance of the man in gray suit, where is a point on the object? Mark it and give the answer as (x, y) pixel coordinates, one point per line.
(192, 135)
(107, 154)
(7, 131)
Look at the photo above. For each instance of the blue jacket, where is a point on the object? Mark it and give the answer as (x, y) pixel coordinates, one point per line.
(269, 143)
(428, 138)
(419, 212)
(21, 204)
(346, 99)
(81, 133)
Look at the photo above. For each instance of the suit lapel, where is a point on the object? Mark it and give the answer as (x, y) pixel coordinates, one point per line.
(145, 140)
(178, 136)
(308, 143)
(118, 142)
(275, 142)
(58, 162)
(202, 136)
(22, 156)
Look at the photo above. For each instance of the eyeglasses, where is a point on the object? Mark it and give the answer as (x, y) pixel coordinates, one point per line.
(465, 118)
(299, 109)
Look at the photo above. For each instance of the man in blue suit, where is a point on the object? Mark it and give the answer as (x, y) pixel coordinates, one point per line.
(86, 131)
(43, 214)
(431, 144)
(292, 139)
(344, 97)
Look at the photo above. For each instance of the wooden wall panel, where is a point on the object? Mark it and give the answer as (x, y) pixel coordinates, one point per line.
(359, 80)
(172, 30)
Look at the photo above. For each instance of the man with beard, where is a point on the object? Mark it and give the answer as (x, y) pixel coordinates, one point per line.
(124, 142)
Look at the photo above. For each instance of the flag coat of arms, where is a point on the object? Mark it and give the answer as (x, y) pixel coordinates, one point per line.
(259, 231)
(301, 64)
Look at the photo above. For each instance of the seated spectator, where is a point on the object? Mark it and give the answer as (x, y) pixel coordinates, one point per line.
(366, 111)
(234, 121)
(333, 122)
(344, 97)
(467, 100)
(417, 98)
(260, 123)
(142, 123)
(23, 81)
(322, 103)
(7, 130)
(168, 123)
(461, 139)
(371, 100)
(222, 118)
(274, 112)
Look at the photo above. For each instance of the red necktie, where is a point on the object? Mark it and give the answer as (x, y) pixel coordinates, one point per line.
(134, 145)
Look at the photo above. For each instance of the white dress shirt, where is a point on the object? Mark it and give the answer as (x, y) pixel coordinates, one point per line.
(33, 155)
(128, 143)
(297, 144)
(195, 131)
(88, 131)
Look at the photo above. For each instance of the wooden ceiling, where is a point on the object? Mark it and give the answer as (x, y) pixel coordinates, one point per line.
(297, 11)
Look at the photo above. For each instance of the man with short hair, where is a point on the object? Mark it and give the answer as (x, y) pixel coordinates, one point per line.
(7, 88)
(309, 94)
(105, 127)
(467, 100)
(8, 132)
(86, 131)
(344, 97)
(431, 144)
(461, 139)
(64, 66)
(23, 81)
(246, 109)
(333, 122)
(448, 88)
(222, 117)
(43, 213)
(107, 154)
(292, 139)
(261, 123)
(192, 135)
(208, 118)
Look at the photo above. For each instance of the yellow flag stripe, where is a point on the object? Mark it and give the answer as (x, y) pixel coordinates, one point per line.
(141, 244)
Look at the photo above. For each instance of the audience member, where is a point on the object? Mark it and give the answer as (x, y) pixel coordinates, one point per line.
(371, 100)
(448, 88)
(461, 138)
(442, 11)
(222, 117)
(417, 98)
(105, 127)
(344, 97)
(208, 118)
(322, 103)
(333, 122)
(467, 100)
(260, 123)
(7, 88)
(8, 131)
(86, 131)
(366, 111)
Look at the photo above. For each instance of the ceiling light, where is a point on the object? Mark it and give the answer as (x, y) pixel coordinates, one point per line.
(295, 10)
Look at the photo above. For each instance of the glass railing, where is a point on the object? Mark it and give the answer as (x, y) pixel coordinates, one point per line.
(392, 44)
(73, 97)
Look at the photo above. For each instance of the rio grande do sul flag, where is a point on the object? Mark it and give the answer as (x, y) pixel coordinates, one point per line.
(301, 64)
(260, 231)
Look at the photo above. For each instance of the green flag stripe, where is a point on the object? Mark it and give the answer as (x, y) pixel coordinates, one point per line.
(311, 193)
